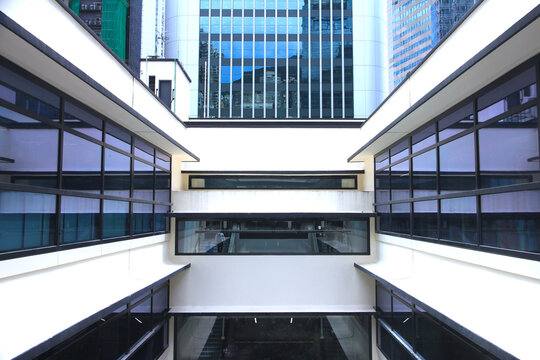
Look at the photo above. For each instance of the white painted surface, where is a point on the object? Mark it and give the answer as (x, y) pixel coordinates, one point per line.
(267, 149)
(473, 290)
(270, 284)
(53, 299)
(473, 35)
(276, 201)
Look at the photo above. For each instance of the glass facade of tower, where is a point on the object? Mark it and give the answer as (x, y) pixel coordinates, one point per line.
(275, 59)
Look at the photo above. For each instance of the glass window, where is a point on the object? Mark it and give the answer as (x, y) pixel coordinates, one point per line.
(384, 303)
(457, 165)
(425, 174)
(29, 150)
(514, 159)
(382, 186)
(81, 165)
(27, 95)
(117, 137)
(423, 138)
(144, 151)
(401, 221)
(400, 181)
(79, 220)
(381, 160)
(425, 219)
(161, 221)
(399, 151)
(115, 218)
(142, 220)
(140, 320)
(512, 220)
(117, 174)
(458, 220)
(82, 121)
(402, 320)
(519, 90)
(143, 181)
(27, 220)
(456, 122)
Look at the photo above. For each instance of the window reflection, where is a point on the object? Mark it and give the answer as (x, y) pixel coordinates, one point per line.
(79, 220)
(81, 165)
(458, 220)
(457, 165)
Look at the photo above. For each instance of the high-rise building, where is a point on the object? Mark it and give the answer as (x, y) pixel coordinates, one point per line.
(415, 27)
(153, 33)
(280, 59)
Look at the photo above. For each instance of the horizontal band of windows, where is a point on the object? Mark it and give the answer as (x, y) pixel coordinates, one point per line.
(494, 190)
(273, 182)
(474, 128)
(53, 191)
(272, 236)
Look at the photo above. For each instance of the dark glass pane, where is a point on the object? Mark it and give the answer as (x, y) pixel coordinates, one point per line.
(514, 159)
(382, 186)
(384, 303)
(85, 347)
(383, 218)
(113, 335)
(142, 219)
(456, 122)
(163, 186)
(423, 138)
(457, 165)
(516, 91)
(117, 137)
(143, 181)
(402, 320)
(83, 121)
(425, 219)
(144, 151)
(160, 304)
(163, 160)
(400, 182)
(79, 220)
(115, 218)
(27, 220)
(81, 165)
(428, 337)
(272, 182)
(140, 320)
(28, 96)
(161, 221)
(512, 220)
(384, 341)
(117, 174)
(458, 220)
(381, 160)
(401, 222)
(399, 151)
(29, 154)
(425, 174)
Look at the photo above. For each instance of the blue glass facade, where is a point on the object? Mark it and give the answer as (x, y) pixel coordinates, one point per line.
(275, 59)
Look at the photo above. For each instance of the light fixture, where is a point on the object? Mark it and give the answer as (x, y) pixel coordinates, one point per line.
(255, 320)
(291, 320)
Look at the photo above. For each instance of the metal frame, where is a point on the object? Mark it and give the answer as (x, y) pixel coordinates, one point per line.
(270, 177)
(478, 191)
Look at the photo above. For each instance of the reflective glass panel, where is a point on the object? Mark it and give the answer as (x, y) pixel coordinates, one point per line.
(458, 220)
(83, 121)
(456, 122)
(117, 137)
(400, 181)
(142, 220)
(512, 220)
(401, 221)
(514, 159)
(425, 219)
(79, 220)
(143, 181)
(115, 218)
(27, 220)
(81, 164)
(117, 174)
(457, 165)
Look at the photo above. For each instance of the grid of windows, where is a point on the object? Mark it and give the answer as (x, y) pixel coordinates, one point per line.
(406, 331)
(470, 177)
(70, 176)
(137, 329)
(275, 59)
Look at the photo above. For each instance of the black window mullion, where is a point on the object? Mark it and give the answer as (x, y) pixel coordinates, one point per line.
(60, 165)
(132, 188)
(477, 175)
(411, 206)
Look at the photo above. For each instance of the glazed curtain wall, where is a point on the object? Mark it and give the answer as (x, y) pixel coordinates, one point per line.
(275, 59)
(470, 177)
(70, 176)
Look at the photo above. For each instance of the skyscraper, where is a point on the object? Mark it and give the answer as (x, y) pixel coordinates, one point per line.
(280, 59)
(415, 27)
